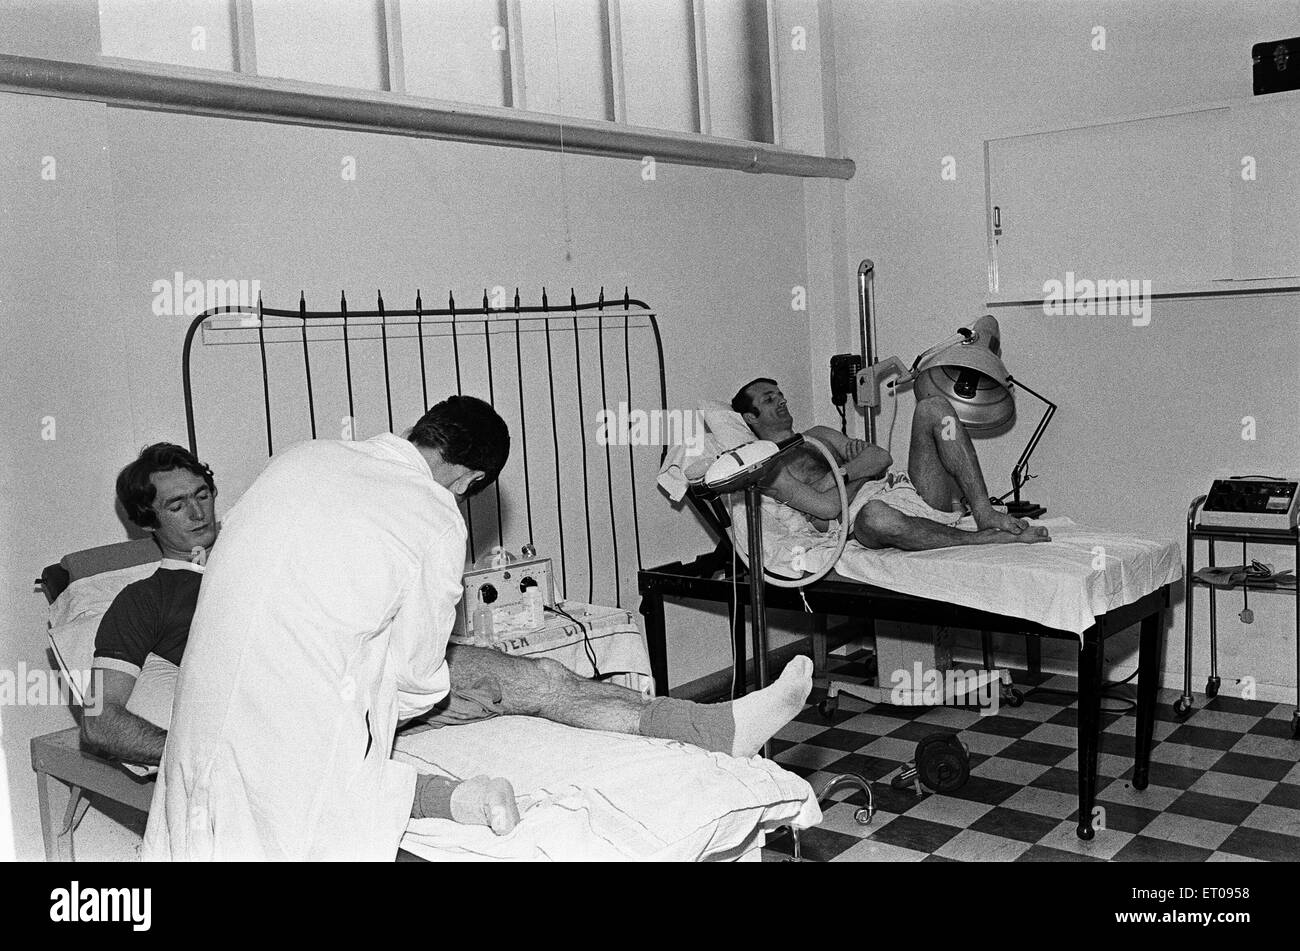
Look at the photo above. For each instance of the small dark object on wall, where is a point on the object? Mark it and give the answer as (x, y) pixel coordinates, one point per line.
(1276, 65)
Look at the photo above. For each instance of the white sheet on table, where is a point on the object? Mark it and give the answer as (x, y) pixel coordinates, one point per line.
(1051, 583)
(620, 649)
(590, 795)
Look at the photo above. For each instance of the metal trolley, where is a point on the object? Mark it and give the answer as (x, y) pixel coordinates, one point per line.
(1211, 534)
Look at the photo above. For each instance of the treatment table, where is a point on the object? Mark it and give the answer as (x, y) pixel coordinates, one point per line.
(839, 595)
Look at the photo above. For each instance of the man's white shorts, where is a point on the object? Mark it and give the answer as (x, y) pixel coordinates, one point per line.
(896, 491)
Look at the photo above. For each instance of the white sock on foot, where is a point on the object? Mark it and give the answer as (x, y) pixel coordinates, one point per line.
(760, 714)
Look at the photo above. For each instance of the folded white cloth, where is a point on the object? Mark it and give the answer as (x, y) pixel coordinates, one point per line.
(724, 429)
(588, 795)
(686, 464)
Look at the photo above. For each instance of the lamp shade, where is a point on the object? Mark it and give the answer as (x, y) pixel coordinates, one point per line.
(971, 375)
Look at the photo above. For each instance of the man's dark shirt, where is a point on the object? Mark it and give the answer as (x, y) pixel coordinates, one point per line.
(150, 616)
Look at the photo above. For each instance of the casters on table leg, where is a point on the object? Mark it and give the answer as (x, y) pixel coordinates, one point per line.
(1212, 687)
(1086, 832)
(1183, 707)
(862, 817)
(828, 707)
(1013, 698)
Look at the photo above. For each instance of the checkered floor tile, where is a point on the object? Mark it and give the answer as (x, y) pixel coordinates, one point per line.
(1225, 782)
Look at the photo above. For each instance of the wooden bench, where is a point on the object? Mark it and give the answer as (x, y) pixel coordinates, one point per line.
(59, 757)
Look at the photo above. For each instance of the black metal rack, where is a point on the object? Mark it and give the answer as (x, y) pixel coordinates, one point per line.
(1245, 536)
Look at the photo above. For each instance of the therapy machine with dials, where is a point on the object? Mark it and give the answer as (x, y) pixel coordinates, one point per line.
(505, 596)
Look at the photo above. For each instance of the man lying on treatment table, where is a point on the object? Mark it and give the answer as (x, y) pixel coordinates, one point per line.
(913, 510)
(168, 491)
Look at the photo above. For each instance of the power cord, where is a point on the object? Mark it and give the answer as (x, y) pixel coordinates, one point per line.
(735, 606)
(1128, 704)
(1028, 476)
(586, 641)
(893, 416)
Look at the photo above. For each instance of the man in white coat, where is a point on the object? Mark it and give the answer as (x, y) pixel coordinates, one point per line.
(322, 621)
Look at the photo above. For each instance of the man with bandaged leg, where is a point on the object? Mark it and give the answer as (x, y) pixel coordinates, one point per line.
(240, 780)
(490, 683)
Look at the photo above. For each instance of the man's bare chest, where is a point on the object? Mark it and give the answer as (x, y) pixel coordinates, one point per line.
(807, 465)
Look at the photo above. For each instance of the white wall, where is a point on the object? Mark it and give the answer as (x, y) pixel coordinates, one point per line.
(1148, 415)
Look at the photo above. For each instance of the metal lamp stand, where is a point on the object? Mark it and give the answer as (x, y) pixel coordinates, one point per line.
(757, 594)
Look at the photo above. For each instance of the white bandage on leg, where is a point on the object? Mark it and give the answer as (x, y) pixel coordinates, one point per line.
(760, 714)
(740, 727)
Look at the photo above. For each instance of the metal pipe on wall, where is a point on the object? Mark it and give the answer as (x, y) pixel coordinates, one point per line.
(234, 96)
(866, 332)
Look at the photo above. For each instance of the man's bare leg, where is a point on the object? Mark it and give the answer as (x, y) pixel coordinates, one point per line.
(547, 689)
(942, 462)
(878, 525)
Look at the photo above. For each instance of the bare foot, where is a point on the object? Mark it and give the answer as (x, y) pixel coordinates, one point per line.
(1029, 535)
(760, 714)
(1001, 521)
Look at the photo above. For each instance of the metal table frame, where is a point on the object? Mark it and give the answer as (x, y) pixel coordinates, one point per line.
(836, 595)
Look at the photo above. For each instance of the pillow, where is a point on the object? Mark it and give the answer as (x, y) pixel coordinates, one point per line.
(74, 622)
(106, 558)
(727, 426)
(75, 617)
(588, 795)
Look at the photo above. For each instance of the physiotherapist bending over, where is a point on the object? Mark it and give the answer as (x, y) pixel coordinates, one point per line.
(322, 621)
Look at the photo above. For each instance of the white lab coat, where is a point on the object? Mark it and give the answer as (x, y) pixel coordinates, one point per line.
(323, 618)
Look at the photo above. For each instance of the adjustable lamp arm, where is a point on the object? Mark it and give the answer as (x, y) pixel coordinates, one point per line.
(869, 379)
(1018, 478)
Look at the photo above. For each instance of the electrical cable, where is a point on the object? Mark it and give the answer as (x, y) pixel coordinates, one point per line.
(893, 417)
(1028, 476)
(845, 529)
(1128, 703)
(586, 641)
(735, 606)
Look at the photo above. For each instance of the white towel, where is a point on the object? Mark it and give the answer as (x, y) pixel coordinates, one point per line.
(686, 464)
